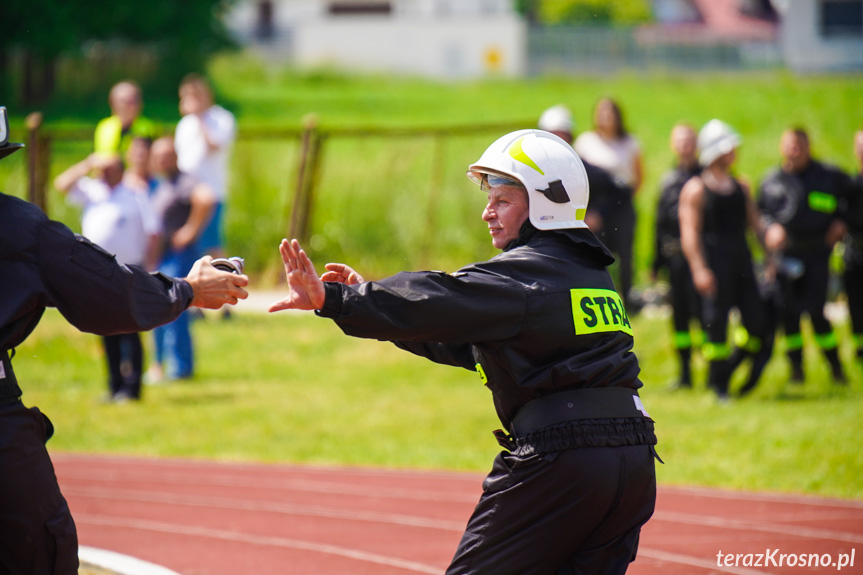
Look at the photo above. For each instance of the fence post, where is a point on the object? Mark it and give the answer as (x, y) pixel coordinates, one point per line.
(301, 207)
(436, 182)
(38, 161)
(313, 170)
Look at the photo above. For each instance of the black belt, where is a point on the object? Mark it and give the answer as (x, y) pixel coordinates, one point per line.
(575, 404)
(9, 390)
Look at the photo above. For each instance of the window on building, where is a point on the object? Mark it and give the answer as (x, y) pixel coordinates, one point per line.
(360, 7)
(264, 28)
(842, 18)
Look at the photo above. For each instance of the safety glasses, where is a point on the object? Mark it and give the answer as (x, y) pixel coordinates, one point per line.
(490, 181)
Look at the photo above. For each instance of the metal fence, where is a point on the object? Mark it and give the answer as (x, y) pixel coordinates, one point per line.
(594, 49)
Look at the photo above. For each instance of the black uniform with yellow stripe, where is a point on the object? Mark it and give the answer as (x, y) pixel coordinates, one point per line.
(685, 302)
(547, 331)
(45, 264)
(853, 276)
(806, 203)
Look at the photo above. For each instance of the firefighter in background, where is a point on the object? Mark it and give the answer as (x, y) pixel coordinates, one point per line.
(603, 188)
(854, 250)
(668, 252)
(799, 202)
(716, 212)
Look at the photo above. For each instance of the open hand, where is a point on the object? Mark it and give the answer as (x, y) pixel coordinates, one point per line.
(306, 290)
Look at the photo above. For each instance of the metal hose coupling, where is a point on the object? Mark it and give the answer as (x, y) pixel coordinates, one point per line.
(233, 265)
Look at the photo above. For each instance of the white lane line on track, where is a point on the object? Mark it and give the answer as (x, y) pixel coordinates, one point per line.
(747, 525)
(743, 496)
(695, 562)
(275, 484)
(416, 521)
(400, 519)
(234, 536)
(114, 461)
(353, 553)
(423, 522)
(119, 563)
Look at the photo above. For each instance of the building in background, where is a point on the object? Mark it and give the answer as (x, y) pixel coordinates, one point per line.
(453, 39)
(437, 38)
(821, 35)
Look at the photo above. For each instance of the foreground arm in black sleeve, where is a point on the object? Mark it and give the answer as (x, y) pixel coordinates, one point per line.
(98, 295)
(476, 304)
(458, 355)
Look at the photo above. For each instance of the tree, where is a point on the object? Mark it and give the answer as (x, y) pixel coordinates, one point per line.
(182, 33)
(593, 11)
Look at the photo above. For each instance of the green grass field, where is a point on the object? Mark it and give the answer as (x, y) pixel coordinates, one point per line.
(291, 388)
(386, 204)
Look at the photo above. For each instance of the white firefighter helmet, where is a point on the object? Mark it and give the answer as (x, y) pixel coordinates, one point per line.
(550, 170)
(716, 139)
(6, 147)
(556, 119)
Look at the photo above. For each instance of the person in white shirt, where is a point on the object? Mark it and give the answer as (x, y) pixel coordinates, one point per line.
(119, 221)
(610, 147)
(203, 140)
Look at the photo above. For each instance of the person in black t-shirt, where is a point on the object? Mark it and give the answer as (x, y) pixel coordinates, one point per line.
(716, 212)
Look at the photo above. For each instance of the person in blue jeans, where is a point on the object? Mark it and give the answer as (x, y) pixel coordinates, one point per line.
(184, 206)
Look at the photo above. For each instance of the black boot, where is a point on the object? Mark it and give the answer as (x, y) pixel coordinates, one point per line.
(796, 359)
(685, 356)
(759, 362)
(832, 356)
(718, 378)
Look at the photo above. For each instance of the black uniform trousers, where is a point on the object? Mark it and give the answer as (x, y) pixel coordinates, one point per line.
(38, 534)
(808, 294)
(685, 303)
(618, 235)
(125, 356)
(736, 286)
(593, 502)
(853, 279)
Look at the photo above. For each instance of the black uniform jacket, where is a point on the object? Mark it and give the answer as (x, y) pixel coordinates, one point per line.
(805, 203)
(667, 221)
(42, 263)
(541, 317)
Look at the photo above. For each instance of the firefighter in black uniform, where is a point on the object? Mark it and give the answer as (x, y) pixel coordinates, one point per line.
(668, 253)
(800, 203)
(716, 211)
(45, 264)
(548, 334)
(853, 277)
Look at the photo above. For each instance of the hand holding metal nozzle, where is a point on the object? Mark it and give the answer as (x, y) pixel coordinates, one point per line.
(217, 283)
(233, 265)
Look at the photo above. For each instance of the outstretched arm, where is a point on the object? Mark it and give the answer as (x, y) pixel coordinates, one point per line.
(306, 290)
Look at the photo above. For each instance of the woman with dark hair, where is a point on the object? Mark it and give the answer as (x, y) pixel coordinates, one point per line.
(611, 147)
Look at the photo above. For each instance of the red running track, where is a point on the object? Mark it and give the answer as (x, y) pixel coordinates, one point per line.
(199, 517)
